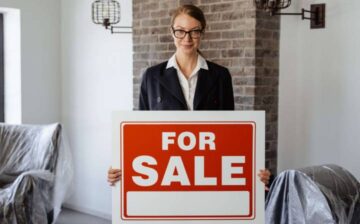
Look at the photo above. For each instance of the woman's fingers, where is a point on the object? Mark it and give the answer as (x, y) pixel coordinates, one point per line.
(265, 180)
(114, 175)
(264, 176)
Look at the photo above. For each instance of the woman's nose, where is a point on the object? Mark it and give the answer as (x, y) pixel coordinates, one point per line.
(187, 37)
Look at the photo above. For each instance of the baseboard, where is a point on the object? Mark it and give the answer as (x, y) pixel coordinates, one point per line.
(87, 211)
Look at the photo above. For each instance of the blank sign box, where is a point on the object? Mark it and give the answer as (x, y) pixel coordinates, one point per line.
(187, 204)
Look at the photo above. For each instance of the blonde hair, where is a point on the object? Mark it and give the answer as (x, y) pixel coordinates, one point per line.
(192, 11)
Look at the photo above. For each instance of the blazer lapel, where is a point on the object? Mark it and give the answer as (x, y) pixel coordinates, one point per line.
(205, 83)
(170, 82)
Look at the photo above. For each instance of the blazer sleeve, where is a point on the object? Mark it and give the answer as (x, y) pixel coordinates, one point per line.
(228, 93)
(143, 97)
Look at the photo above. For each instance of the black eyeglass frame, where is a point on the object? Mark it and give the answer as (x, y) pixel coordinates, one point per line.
(190, 32)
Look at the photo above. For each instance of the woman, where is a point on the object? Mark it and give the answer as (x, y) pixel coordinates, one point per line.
(187, 81)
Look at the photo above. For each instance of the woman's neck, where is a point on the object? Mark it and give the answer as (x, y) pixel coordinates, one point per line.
(186, 63)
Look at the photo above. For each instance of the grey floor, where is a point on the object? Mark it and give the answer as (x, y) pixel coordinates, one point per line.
(68, 216)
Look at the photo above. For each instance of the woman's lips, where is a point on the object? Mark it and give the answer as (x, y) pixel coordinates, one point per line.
(187, 45)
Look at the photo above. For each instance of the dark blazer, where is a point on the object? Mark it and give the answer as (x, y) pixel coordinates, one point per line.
(161, 90)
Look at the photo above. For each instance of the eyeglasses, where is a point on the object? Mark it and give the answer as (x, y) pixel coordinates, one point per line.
(194, 34)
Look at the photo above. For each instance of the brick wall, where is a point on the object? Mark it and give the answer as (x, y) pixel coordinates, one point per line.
(237, 36)
(267, 37)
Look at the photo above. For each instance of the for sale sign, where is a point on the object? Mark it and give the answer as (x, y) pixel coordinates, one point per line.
(190, 166)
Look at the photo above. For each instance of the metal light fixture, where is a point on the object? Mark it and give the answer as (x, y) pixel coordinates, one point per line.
(272, 5)
(107, 13)
(317, 11)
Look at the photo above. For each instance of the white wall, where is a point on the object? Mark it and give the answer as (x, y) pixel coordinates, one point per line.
(96, 80)
(319, 106)
(40, 59)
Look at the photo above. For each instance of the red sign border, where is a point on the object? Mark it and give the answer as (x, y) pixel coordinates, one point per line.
(207, 217)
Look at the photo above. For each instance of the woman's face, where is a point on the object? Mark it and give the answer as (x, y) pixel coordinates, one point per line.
(187, 44)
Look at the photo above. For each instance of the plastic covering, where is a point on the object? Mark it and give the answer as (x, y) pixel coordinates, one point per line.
(35, 173)
(317, 195)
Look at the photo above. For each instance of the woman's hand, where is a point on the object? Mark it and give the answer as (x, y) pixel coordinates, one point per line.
(113, 176)
(264, 176)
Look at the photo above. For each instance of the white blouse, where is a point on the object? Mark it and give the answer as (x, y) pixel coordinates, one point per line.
(188, 86)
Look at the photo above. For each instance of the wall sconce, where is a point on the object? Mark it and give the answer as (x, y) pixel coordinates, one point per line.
(317, 11)
(107, 13)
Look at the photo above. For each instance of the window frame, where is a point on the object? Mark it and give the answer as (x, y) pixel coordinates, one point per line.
(2, 70)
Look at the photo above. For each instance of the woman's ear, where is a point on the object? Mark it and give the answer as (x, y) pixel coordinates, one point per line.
(171, 32)
(203, 33)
